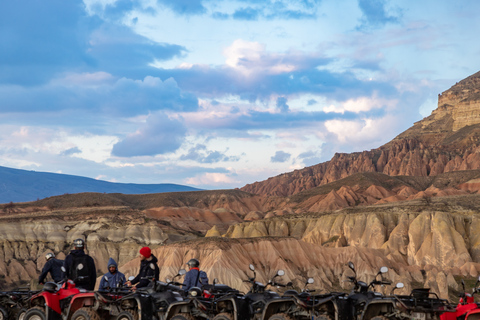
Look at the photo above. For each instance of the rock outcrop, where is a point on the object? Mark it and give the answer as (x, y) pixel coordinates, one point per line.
(448, 140)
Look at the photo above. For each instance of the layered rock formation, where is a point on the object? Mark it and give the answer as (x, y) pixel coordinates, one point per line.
(446, 141)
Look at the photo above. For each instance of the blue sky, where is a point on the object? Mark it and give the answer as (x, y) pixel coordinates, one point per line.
(218, 93)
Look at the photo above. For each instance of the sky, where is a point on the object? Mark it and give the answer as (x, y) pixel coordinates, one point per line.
(217, 94)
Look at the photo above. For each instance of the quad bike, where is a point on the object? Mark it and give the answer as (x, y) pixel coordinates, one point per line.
(466, 309)
(200, 304)
(305, 306)
(421, 304)
(61, 301)
(14, 304)
(107, 303)
(353, 306)
(150, 302)
(254, 305)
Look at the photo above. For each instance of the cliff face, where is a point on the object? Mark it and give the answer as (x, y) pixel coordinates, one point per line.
(448, 140)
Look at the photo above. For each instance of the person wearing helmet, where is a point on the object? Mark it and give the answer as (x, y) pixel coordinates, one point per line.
(113, 278)
(80, 267)
(194, 277)
(149, 270)
(54, 267)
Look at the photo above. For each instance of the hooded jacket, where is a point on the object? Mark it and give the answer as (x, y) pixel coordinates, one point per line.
(148, 268)
(92, 271)
(114, 279)
(53, 266)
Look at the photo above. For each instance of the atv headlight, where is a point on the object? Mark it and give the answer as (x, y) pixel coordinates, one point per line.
(195, 292)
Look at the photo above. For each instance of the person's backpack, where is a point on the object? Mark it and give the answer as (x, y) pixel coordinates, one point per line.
(202, 279)
(79, 270)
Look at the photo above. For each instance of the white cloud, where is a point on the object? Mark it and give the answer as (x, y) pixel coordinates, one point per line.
(211, 178)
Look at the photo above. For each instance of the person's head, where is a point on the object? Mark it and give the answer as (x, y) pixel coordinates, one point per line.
(49, 256)
(79, 244)
(145, 253)
(112, 268)
(193, 263)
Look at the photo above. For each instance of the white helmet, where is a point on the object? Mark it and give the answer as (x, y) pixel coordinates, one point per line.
(49, 255)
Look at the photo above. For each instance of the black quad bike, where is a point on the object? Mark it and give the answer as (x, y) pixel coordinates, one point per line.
(354, 305)
(305, 306)
(254, 305)
(150, 302)
(200, 303)
(14, 304)
(421, 304)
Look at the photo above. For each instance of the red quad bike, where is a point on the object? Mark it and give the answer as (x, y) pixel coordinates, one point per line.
(466, 309)
(61, 302)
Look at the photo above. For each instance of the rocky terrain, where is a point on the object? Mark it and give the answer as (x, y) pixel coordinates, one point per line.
(411, 205)
(446, 141)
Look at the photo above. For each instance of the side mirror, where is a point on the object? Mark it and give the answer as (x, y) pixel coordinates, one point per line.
(167, 280)
(182, 272)
(351, 266)
(310, 280)
(251, 267)
(131, 278)
(383, 269)
(215, 281)
(399, 285)
(280, 272)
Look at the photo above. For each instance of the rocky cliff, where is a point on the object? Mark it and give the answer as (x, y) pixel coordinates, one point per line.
(446, 141)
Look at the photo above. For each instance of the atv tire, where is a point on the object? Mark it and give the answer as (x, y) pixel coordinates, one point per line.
(323, 317)
(3, 314)
(182, 316)
(19, 314)
(35, 313)
(280, 316)
(223, 316)
(85, 314)
(127, 315)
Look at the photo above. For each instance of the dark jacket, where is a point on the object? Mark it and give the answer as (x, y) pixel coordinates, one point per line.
(114, 279)
(194, 278)
(92, 271)
(148, 268)
(54, 266)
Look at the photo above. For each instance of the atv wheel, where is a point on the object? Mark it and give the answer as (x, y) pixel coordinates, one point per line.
(280, 316)
(323, 317)
(182, 316)
(3, 314)
(20, 314)
(35, 313)
(223, 316)
(127, 315)
(85, 314)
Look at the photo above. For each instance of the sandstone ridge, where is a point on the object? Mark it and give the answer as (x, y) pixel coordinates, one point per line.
(446, 141)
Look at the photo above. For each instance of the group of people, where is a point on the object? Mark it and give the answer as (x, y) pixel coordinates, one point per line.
(80, 267)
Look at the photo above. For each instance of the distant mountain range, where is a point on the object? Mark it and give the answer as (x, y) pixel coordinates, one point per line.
(22, 185)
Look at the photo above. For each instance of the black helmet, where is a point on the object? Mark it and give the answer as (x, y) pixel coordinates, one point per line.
(79, 243)
(193, 263)
(50, 287)
(49, 256)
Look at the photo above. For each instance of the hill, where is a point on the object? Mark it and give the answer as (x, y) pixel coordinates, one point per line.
(448, 140)
(23, 185)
